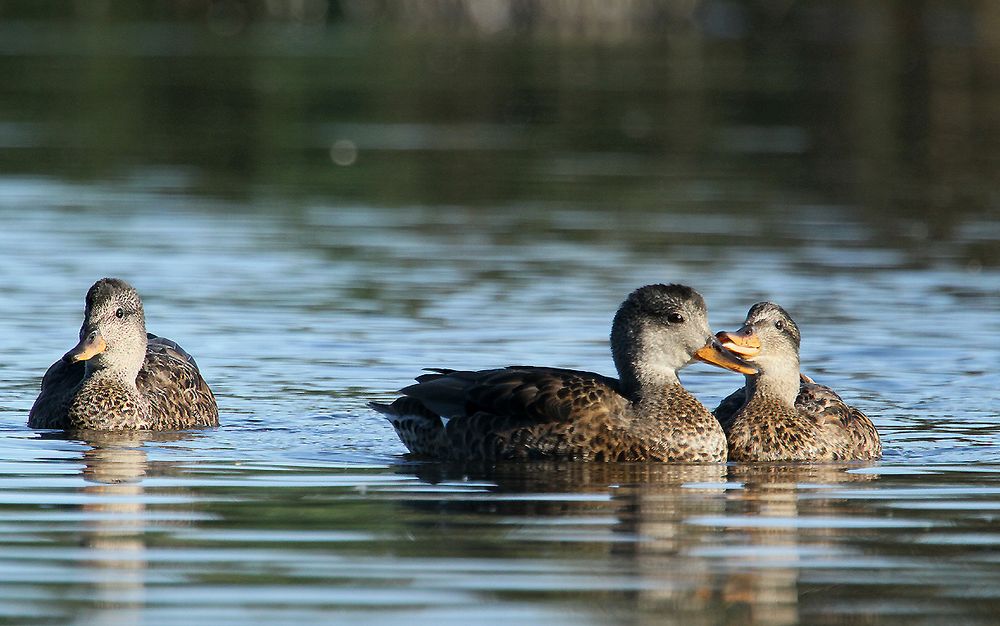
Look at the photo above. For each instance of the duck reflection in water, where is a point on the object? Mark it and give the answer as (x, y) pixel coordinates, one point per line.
(686, 544)
(115, 466)
(773, 530)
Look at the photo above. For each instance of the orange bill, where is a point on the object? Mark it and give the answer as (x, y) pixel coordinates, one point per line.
(90, 346)
(715, 354)
(743, 342)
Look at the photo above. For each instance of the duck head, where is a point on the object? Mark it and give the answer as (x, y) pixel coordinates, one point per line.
(113, 335)
(658, 330)
(769, 339)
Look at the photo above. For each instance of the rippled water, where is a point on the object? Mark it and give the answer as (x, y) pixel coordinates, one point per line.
(304, 301)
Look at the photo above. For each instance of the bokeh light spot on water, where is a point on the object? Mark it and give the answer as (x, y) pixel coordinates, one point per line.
(344, 152)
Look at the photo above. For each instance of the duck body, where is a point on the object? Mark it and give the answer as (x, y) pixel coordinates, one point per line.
(781, 415)
(819, 426)
(165, 392)
(527, 412)
(169, 381)
(543, 413)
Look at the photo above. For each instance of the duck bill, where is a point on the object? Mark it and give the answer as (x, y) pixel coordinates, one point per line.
(89, 347)
(714, 354)
(743, 342)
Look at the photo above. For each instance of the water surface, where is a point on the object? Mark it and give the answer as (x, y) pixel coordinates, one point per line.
(316, 217)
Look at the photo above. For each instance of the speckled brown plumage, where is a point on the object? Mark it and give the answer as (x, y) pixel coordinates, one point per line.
(732, 403)
(167, 393)
(778, 424)
(100, 402)
(539, 413)
(178, 395)
(525, 412)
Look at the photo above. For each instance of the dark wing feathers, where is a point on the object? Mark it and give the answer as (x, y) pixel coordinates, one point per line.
(420, 429)
(864, 433)
(445, 392)
(162, 345)
(178, 395)
(528, 394)
(435, 372)
(829, 410)
(512, 412)
(58, 385)
(822, 404)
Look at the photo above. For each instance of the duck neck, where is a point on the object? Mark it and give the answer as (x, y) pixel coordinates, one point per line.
(641, 375)
(776, 383)
(99, 368)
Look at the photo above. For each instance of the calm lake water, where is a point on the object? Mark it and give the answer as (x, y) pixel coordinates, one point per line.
(318, 211)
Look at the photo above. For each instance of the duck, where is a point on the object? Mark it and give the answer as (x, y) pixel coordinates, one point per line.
(781, 414)
(532, 412)
(121, 378)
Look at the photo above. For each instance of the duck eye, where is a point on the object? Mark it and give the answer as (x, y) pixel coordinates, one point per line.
(675, 318)
(120, 313)
(779, 325)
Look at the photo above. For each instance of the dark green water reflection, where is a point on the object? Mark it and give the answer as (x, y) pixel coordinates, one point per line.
(887, 108)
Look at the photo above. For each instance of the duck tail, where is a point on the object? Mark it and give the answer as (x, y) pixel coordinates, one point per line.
(421, 430)
(383, 408)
